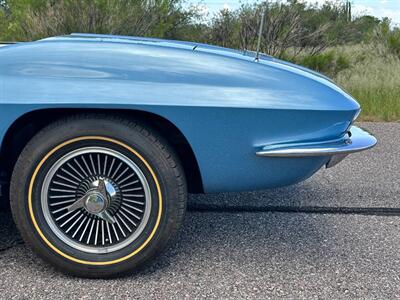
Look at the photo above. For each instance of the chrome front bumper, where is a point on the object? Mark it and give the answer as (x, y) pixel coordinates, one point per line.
(354, 141)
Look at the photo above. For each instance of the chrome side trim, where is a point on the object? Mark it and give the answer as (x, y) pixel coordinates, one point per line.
(356, 140)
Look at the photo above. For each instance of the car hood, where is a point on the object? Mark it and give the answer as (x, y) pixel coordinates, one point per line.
(194, 47)
(246, 82)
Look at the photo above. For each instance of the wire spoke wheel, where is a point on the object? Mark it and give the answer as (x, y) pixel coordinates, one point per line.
(96, 200)
(98, 196)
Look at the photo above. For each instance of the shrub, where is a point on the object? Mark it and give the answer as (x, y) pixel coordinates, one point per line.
(393, 42)
(42, 18)
(384, 34)
(330, 62)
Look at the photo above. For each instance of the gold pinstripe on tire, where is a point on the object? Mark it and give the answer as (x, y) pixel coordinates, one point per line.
(69, 257)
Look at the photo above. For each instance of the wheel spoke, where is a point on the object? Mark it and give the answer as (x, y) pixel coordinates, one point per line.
(63, 191)
(115, 232)
(102, 232)
(84, 230)
(91, 161)
(73, 224)
(70, 174)
(123, 222)
(133, 201)
(116, 170)
(129, 183)
(125, 179)
(120, 228)
(69, 180)
(131, 190)
(134, 208)
(76, 171)
(96, 235)
(64, 184)
(80, 167)
(98, 163)
(58, 210)
(134, 195)
(62, 196)
(111, 167)
(105, 165)
(70, 218)
(122, 174)
(64, 215)
(109, 234)
(90, 232)
(79, 227)
(131, 213)
(62, 202)
(86, 165)
(126, 217)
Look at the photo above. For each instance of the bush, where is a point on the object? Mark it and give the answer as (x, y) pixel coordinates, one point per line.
(35, 19)
(329, 62)
(384, 34)
(393, 42)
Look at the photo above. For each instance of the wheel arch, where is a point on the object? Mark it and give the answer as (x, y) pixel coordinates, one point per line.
(27, 125)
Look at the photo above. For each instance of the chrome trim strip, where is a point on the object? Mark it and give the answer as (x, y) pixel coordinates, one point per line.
(357, 140)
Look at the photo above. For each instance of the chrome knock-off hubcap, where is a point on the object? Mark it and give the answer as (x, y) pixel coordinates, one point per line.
(95, 203)
(96, 200)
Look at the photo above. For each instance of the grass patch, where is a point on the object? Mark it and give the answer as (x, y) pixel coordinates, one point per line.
(369, 72)
(373, 78)
(377, 104)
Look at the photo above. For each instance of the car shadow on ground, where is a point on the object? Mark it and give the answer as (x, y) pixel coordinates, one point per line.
(229, 233)
(239, 202)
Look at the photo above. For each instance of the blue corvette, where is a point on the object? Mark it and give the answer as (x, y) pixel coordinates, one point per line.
(102, 137)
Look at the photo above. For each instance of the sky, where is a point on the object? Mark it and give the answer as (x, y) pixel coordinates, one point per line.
(378, 8)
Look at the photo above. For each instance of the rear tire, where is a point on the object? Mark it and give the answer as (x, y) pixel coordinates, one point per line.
(117, 229)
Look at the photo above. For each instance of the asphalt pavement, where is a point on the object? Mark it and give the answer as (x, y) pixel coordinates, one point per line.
(334, 236)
